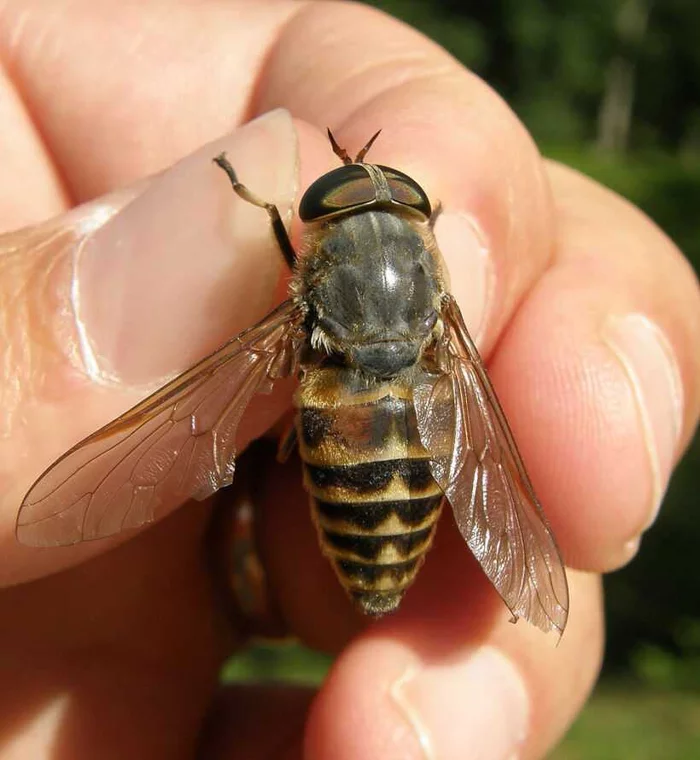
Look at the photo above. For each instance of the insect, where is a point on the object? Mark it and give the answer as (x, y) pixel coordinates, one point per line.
(395, 413)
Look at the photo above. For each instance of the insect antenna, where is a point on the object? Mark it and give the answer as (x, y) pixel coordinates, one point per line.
(361, 155)
(340, 152)
(343, 154)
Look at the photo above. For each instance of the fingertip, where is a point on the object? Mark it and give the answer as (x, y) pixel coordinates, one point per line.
(397, 705)
(601, 350)
(574, 416)
(511, 691)
(353, 716)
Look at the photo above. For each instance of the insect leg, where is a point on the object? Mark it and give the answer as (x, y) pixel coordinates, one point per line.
(278, 227)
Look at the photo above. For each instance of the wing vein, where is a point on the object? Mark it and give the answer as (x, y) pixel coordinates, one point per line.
(486, 483)
(178, 442)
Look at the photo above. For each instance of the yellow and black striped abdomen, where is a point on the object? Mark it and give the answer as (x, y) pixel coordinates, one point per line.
(373, 497)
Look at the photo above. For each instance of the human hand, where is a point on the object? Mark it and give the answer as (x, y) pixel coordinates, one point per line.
(587, 314)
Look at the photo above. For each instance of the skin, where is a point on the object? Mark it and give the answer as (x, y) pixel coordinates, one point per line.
(588, 315)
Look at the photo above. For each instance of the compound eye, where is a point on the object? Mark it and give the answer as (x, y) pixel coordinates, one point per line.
(405, 191)
(346, 188)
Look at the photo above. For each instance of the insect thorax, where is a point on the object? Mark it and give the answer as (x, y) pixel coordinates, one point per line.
(372, 286)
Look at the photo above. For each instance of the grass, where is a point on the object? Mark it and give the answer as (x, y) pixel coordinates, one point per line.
(664, 186)
(625, 720)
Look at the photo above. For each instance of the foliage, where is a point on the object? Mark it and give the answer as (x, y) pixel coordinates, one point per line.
(553, 61)
(623, 721)
(286, 662)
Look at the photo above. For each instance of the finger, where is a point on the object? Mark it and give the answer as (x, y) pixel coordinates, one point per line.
(118, 295)
(434, 681)
(605, 352)
(30, 190)
(128, 115)
(116, 658)
(257, 723)
(300, 581)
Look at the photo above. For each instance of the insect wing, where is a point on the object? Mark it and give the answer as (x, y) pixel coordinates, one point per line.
(177, 443)
(475, 461)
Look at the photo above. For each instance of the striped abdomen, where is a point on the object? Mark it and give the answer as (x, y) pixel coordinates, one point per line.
(374, 500)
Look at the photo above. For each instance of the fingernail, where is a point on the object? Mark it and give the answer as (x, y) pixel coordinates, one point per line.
(187, 263)
(476, 708)
(652, 372)
(464, 248)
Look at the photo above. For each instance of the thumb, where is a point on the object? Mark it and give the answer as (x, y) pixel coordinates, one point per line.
(99, 306)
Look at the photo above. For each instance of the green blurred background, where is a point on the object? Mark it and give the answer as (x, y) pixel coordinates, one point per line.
(611, 87)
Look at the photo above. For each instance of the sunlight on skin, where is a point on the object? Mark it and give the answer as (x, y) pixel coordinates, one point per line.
(37, 737)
